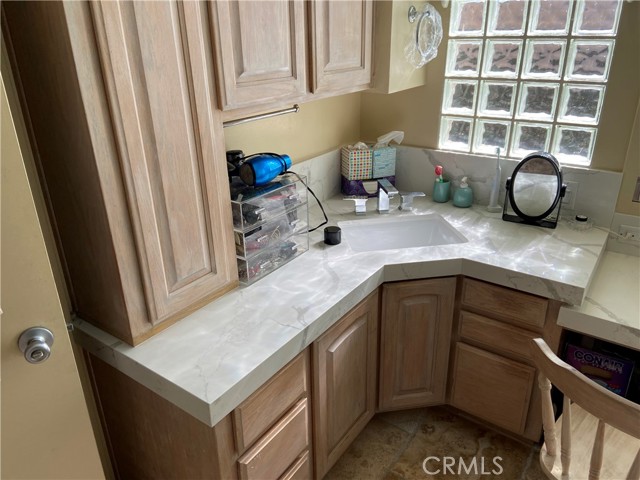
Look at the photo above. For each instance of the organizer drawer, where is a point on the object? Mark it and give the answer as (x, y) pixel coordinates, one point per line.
(495, 334)
(273, 233)
(504, 303)
(279, 448)
(262, 409)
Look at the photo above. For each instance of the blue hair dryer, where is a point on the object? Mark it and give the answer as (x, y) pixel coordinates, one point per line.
(261, 169)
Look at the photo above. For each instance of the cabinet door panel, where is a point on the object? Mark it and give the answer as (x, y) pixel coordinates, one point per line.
(492, 387)
(345, 371)
(155, 69)
(342, 36)
(260, 47)
(415, 337)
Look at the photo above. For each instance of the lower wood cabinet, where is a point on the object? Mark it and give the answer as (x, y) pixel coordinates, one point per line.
(415, 333)
(493, 377)
(333, 385)
(267, 436)
(273, 426)
(149, 437)
(345, 361)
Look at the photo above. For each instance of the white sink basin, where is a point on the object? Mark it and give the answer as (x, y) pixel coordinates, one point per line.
(408, 231)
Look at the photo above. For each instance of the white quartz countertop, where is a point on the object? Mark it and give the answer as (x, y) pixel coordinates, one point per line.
(611, 308)
(210, 361)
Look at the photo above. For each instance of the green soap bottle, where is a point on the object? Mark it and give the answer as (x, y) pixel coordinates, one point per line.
(463, 196)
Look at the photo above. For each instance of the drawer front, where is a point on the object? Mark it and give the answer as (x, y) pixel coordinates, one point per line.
(272, 455)
(262, 409)
(300, 470)
(492, 387)
(510, 305)
(496, 335)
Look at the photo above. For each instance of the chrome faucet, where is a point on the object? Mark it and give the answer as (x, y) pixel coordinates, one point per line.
(385, 192)
(407, 199)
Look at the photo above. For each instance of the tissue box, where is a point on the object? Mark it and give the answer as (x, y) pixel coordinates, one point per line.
(384, 162)
(362, 188)
(612, 373)
(356, 164)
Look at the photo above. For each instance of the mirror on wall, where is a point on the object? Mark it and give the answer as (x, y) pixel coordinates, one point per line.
(534, 191)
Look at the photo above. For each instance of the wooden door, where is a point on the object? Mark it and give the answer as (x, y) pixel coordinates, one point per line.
(260, 51)
(341, 40)
(415, 333)
(46, 432)
(344, 375)
(155, 61)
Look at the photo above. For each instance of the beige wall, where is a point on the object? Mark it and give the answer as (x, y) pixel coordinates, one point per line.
(621, 97)
(317, 128)
(631, 172)
(415, 111)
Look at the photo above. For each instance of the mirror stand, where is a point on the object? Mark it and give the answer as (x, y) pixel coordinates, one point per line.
(534, 192)
(550, 221)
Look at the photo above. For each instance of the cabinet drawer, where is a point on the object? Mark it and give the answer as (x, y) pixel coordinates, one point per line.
(262, 409)
(492, 387)
(300, 470)
(494, 334)
(504, 303)
(279, 447)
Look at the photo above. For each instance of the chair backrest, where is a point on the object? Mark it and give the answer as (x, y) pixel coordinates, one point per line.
(606, 406)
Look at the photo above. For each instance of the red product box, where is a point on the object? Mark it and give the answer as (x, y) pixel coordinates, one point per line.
(612, 373)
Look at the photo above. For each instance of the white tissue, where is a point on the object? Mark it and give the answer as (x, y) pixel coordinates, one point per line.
(358, 146)
(384, 140)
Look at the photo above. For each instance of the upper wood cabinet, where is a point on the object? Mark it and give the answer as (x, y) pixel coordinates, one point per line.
(139, 190)
(345, 362)
(415, 332)
(272, 52)
(260, 50)
(341, 45)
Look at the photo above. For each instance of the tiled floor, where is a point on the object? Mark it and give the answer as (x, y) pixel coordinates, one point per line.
(395, 445)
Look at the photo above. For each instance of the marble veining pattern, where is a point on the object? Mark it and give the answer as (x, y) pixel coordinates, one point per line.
(210, 361)
(611, 308)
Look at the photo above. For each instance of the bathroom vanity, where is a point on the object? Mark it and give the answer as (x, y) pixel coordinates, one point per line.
(447, 324)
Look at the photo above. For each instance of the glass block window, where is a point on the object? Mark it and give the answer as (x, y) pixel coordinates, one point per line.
(527, 75)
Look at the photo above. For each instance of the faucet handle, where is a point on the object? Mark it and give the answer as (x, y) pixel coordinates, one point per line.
(407, 199)
(387, 186)
(360, 203)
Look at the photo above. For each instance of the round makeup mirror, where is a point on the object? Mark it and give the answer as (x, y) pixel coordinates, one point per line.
(534, 191)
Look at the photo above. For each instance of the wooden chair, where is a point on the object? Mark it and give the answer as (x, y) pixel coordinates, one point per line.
(589, 449)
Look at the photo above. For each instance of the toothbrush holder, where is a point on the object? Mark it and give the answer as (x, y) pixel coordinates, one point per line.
(441, 191)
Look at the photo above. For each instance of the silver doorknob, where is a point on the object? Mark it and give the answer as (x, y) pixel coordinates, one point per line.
(36, 343)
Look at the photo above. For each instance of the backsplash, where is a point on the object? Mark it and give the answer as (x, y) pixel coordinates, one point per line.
(323, 174)
(596, 195)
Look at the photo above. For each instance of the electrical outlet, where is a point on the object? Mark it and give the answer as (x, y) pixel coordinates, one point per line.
(570, 194)
(631, 234)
